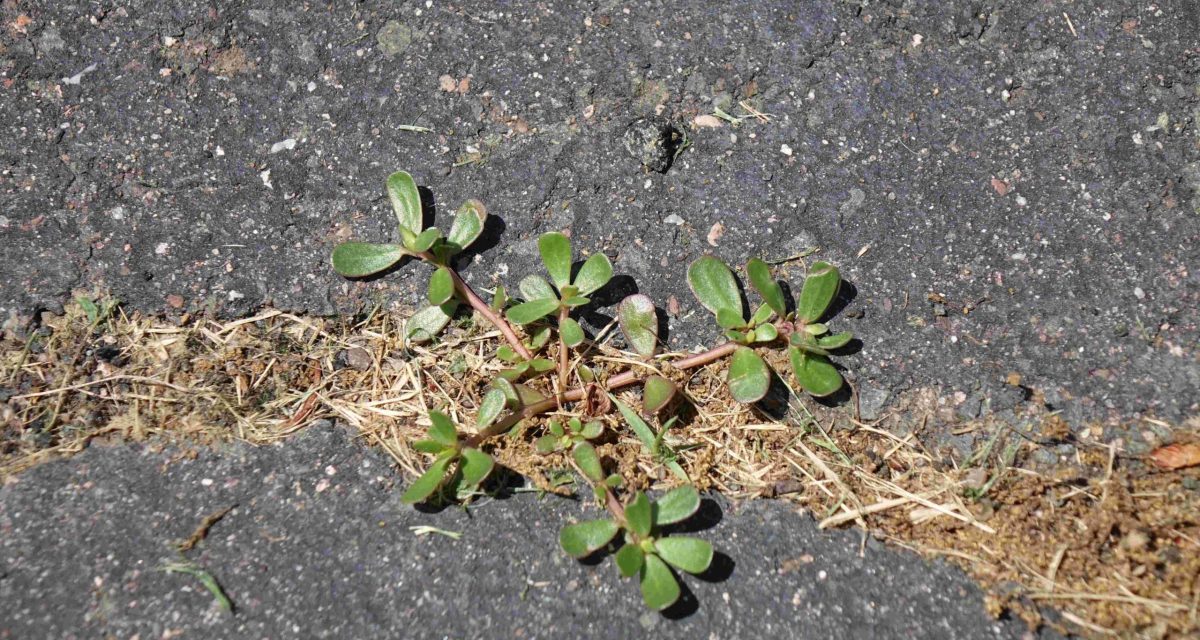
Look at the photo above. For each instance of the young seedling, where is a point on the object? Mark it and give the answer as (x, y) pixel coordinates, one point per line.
(653, 442)
(576, 432)
(466, 466)
(749, 377)
(567, 293)
(644, 550)
(446, 287)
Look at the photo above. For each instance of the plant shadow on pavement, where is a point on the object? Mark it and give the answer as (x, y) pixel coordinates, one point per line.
(708, 516)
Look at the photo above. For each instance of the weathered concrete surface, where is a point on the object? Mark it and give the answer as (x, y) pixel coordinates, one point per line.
(1032, 165)
(319, 546)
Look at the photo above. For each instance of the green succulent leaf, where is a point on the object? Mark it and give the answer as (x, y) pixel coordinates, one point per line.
(539, 338)
(427, 322)
(547, 443)
(571, 332)
(556, 428)
(475, 467)
(740, 337)
(555, 249)
(582, 539)
(592, 430)
(639, 426)
(677, 470)
(426, 239)
(639, 516)
(595, 273)
(490, 408)
(442, 430)
(441, 286)
(534, 287)
(613, 481)
(406, 201)
(767, 287)
(815, 329)
(765, 333)
(541, 365)
(358, 259)
(815, 373)
(730, 319)
(820, 287)
(629, 560)
(507, 353)
(761, 315)
(659, 588)
(528, 395)
(428, 446)
(639, 323)
(748, 376)
(499, 299)
(714, 286)
(657, 391)
(532, 311)
(835, 341)
(575, 301)
(511, 397)
(807, 343)
(429, 481)
(468, 224)
(689, 554)
(514, 374)
(589, 463)
(676, 505)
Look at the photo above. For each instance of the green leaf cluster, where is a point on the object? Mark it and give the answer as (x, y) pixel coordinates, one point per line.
(808, 341)
(575, 432)
(644, 551)
(566, 293)
(362, 259)
(467, 467)
(653, 442)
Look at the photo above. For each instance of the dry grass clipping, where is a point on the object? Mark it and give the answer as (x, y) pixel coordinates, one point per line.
(1105, 541)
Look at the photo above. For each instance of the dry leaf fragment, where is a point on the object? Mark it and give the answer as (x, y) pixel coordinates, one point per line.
(21, 24)
(715, 233)
(707, 121)
(1000, 186)
(447, 83)
(1176, 456)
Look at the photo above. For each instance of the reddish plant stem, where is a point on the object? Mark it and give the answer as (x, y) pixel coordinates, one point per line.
(618, 381)
(563, 355)
(611, 502)
(485, 310)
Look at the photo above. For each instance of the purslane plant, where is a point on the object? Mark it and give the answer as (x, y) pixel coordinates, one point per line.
(460, 463)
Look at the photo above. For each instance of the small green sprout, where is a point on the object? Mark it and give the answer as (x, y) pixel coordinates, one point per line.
(575, 432)
(542, 299)
(653, 442)
(361, 259)
(644, 550)
(809, 346)
(467, 467)
(521, 366)
(97, 314)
